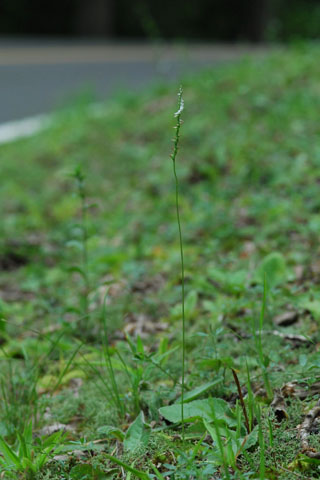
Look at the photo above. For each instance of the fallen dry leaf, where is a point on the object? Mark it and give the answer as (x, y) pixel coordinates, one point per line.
(248, 249)
(297, 340)
(299, 272)
(13, 294)
(78, 454)
(302, 390)
(140, 324)
(61, 458)
(286, 319)
(291, 389)
(149, 284)
(279, 407)
(55, 427)
(310, 424)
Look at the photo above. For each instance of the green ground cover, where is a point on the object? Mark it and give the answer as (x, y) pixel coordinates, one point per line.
(91, 287)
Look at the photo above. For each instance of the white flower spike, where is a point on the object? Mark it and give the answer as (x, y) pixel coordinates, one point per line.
(181, 103)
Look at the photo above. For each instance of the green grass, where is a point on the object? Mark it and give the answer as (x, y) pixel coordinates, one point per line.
(90, 279)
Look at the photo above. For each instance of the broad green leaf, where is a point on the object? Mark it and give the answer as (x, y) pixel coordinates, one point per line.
(53, 440)
(309, 460)
(111, 431)
(231, 282)
(78, 270)
(191, 303)
(223, 439)
(214, 364)
(28, 464)
(313, 306)
(27, 434)
(8, 454)
(274, 267)
(137, 434)
(85, 471)
(207, 409)
(303, 463)
(196, 392)
(75, 244)
(23, 449)
(238, 443)
(42, 459)
(251, 439)
(214, 431)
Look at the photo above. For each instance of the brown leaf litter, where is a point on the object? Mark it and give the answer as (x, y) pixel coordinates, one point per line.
(279, 407)
(140, 324)
(294, 338)
(311, 421)
(309, 425)
(286, 319)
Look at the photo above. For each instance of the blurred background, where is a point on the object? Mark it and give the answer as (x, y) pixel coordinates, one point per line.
(52, 51)
(218, 20)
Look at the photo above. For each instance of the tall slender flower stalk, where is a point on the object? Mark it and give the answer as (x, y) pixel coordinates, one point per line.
(173, 157)
(84, 268)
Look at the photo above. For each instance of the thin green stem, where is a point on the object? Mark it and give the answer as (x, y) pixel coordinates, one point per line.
(108, 360)
(82, 195)
(260, 348)
(182, 292)
(173, 157)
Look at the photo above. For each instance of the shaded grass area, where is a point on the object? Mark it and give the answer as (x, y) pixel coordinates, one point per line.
(92, 343)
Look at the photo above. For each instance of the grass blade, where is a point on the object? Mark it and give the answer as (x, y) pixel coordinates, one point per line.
(128, 468)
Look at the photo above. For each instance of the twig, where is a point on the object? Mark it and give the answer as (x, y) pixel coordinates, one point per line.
(243, 405)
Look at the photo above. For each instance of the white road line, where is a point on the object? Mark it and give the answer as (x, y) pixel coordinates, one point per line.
(26, 127)
(22, 128)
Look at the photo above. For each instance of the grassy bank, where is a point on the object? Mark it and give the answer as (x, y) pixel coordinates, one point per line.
(91, 286)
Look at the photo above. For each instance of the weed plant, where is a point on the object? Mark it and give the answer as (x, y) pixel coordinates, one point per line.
(31, 456)
(174, 158)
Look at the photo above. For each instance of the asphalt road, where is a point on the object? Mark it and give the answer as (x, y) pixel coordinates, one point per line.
(38, 78)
